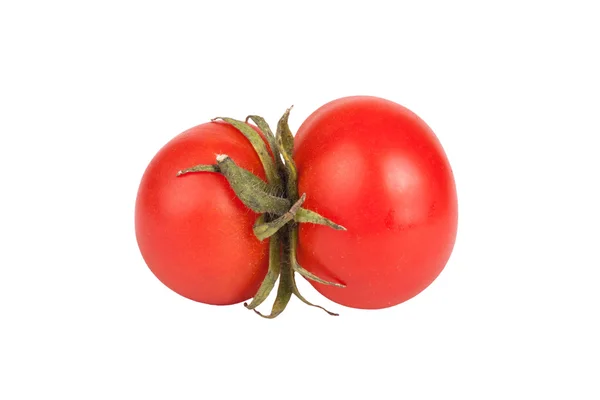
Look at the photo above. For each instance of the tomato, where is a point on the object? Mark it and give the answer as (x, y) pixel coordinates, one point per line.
(193, 232)
(376, 168)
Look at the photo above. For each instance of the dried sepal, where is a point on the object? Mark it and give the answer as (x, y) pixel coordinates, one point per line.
(268, 283)
(299, 269)
(284, 291)
(308, 216)
(255, 193)
(259, 146)
(285, 141)
(271, 139)
(303, 299)
(284, 132)
(264, 229)
(199, 168)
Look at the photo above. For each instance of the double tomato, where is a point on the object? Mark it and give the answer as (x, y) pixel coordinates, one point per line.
(365, 163)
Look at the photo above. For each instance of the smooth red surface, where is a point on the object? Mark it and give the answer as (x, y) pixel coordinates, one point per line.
(376, 168)
(194, 233)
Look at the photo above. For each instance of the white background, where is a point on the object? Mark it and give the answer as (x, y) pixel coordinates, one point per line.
(89, 91)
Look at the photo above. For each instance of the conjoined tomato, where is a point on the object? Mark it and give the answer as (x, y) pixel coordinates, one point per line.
(376, 168)
(194, 233)
(365, 163)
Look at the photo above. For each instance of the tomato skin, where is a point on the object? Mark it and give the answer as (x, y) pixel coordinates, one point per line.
(193, 232)
(376, 168)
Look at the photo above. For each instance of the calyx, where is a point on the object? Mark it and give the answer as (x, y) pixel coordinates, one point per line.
(278, 203)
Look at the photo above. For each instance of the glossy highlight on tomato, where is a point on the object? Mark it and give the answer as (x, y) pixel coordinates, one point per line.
(376, 168)
(193, 232)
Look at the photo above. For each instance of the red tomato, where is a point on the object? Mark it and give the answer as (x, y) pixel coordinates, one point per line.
(376, 168)
(194, 233)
